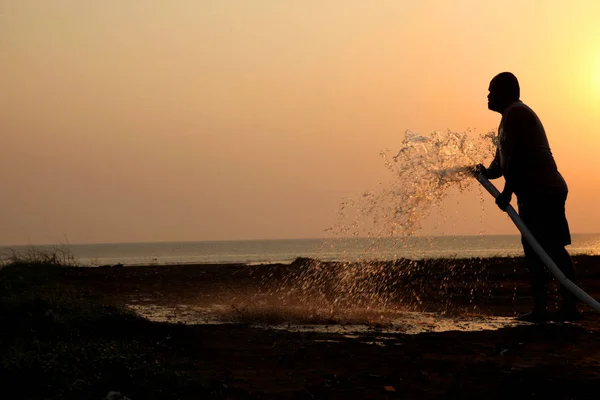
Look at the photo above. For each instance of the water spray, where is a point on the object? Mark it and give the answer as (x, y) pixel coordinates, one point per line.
(576, 290)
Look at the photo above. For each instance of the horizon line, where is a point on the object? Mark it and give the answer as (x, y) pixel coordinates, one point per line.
(67, 244)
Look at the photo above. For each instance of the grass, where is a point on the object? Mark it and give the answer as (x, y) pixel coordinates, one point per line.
(57, 256)
(59, 341)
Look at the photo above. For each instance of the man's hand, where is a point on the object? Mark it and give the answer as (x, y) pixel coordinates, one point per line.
(503, 200)
(479, 169)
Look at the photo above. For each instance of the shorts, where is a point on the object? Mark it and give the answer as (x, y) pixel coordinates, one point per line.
(545, 217)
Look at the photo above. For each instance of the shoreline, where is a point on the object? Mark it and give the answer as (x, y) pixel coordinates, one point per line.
(359, 261)
(285, 251)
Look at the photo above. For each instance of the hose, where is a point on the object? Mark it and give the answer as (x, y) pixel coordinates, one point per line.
(576, 290)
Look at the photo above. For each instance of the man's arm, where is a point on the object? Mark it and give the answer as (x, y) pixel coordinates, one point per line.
(519, 124)
(494, 171)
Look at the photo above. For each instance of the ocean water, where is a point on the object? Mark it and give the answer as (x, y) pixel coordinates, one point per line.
(287, 250)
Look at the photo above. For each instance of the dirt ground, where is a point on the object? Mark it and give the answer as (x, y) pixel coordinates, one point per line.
(232, 338)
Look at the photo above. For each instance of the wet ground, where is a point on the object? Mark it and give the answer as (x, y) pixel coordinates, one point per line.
(408, 322)
(427, 329)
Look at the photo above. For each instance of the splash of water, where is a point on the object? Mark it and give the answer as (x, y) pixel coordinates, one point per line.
(424, 171)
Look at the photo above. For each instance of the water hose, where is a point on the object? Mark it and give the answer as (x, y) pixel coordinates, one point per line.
(580, 294)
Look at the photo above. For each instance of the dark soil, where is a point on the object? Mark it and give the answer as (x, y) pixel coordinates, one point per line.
(65, 333)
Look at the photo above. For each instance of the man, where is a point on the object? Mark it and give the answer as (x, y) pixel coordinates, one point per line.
(524, 158)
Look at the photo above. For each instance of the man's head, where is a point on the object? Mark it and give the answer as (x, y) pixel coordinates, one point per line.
(504, 90)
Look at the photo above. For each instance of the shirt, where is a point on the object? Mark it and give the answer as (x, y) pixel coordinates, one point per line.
(523, 155)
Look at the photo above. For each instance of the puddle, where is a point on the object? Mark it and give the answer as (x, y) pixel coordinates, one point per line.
(181, 314)
(411, 323)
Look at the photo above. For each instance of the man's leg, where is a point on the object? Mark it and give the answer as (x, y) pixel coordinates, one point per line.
(563, 261)
(539, 286)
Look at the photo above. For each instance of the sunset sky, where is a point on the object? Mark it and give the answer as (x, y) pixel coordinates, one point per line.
(153, 120)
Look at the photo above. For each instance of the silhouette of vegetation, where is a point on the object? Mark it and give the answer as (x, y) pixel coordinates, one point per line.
(60, 341)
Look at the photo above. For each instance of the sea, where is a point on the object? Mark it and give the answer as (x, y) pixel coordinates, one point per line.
(287, 250)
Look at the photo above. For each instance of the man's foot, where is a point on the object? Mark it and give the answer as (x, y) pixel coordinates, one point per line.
(535, 317)
(567, 316)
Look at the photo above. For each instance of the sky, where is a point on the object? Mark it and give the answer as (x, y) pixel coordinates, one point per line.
(147, 120)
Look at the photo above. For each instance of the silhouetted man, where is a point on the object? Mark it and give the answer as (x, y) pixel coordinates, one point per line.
(524, 158)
